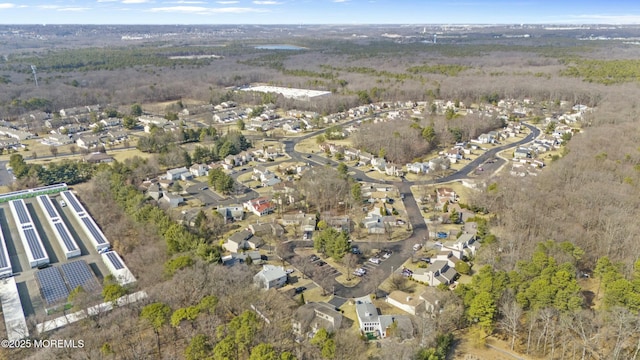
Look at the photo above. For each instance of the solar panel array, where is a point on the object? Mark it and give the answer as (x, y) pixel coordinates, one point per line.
(65, 240)
(69, 243)
(34, 244)
(115, 260)
(52, 285)
(21, 210)
(90, 228)
(4, 256)
(77, 273)
(46, 202)
(74, 202)
(94, 230)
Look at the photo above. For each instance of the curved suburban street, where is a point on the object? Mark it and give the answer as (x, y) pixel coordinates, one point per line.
(402, 250)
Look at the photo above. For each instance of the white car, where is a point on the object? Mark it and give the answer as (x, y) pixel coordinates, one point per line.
(62, 203)
(417, 247)
(289, 271)
(374, 260)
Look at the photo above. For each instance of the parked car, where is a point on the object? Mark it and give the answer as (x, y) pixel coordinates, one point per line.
(387, 255)
(441, 235)
(426, 259)
(308, 156)
(375, 260)
(355, 250)
(62, 203)
(360, 272)
(313, 258)
(417, 247)
(300, 289)
(289, 271)
(320, 263)
(104, 250)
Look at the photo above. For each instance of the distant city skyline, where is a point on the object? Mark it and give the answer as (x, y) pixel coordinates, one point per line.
(319, 12)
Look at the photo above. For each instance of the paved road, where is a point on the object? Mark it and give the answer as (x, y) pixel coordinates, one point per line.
(6, 177)
(402, 250)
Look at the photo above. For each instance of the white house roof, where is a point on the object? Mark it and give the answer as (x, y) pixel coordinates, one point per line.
(271, 272)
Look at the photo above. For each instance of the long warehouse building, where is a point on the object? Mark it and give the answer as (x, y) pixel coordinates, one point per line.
(117, 268)
(5, 263)
(66, 241)
(86, 222)
(36, 254)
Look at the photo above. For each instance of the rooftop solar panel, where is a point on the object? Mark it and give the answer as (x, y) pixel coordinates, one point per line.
(77, 273)
(48, 206)
(93, 230)
(66, 237)
(52, 286)
(73, 201)
(34, 245)
(3, 259)
(22, 212)
(115, 260)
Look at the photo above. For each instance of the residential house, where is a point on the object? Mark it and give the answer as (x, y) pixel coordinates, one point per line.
(393, 170)
(365, 157)
(439, 164)
(439, 272)
(266, 177)
(153, 120)
(270, 277)
(339, 222)
(231, 213)
(444, 196)
(242, 240)
(454, 155)
(118, 135)
(154, 191)
(172, 199)
(59, 139)
(71, 129)
(368, 319)
(111, 122)
(165, 183)
(88, 141)
(266, 229)
(97, 158)
(198, 170)
(522, 153)
(178, 173)
(313, 316)
(379, 164)
(16, 134)
(293, 126)
(418, 168)
(378, 224)
(431, 300)
(307, 222)
(412, 304)
(260, 206)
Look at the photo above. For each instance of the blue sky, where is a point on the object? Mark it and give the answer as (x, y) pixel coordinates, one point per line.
(319, 12)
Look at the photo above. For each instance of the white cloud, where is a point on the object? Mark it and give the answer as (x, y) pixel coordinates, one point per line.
(49, 7)
(7, 6)
(227, 2)
(604, 19)
(187, 2)
(267, 2)
(105, 1)
(73, 9)
(135, 1)
(205, 10)
(340, 1)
